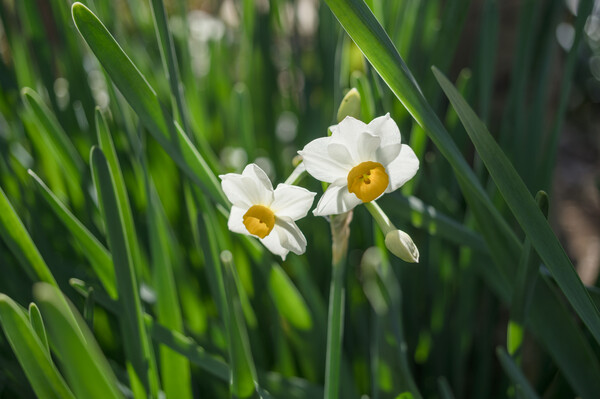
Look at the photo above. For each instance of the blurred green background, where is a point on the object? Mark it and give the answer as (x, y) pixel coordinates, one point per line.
(256, 81)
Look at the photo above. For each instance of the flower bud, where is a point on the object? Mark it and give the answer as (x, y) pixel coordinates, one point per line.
(400, 244)
(350, 105)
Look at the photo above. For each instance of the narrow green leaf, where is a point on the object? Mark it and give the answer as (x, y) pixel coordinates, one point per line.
(85, 367)
(288, 300)
(58, 143)
(188, 348)
(428, 218)
(93, 250)
(525, 209)
(169, 59)
(20, 243)
(243, 373)
(140, 361)
(515, 374)
(108, 149)
(214, 365)
(175, 369)
(142, 98)
(35, 318)
(527, 274)
(33, 354)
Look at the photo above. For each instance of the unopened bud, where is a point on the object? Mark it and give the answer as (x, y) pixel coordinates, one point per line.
(350, 106)
(400, 244)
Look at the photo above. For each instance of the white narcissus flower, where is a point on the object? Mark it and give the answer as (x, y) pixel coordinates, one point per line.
(360, 161)
(268, 214)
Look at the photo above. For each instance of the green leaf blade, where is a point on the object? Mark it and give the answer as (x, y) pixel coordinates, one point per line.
(86, 369)
(525, 209)
(144, 101)
(288, 300)
(95, 252)
(140, 362)
(31, 352)
(19, 241)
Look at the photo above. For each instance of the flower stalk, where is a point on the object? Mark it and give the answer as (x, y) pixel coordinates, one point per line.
(340, 233)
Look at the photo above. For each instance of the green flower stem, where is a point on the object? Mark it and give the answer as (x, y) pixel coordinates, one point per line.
(380, 217)
(340, 232)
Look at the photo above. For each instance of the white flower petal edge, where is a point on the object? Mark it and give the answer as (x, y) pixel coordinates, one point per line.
(319, 162)
(292, 201)
(385, 128)
(403, 168)
(336, 199)
(252, 187)
(285, 237)
(235, 222)
(287, 203)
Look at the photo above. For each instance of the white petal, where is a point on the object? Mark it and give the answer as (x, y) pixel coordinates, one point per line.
(319, 163)
(290, 236)
(341, 154)
(236, 220)
(385, 155)
(292, 201)
(273, 244)
(366, 147)
(336, 199)
(348, 133)
(240, 190)
(348, 129)
(385, 128)
(263, 183)
(403, 168)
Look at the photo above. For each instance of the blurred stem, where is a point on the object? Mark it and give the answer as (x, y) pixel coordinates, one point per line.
(340, 232)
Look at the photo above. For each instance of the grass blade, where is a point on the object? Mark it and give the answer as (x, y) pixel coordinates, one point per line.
(35, 318)
(169, 58)
(108, 149)
(144, 101)
(85, 366)
(95, 252)
(175, 369)
(20, 243)
(288, 300)
(243, 372)
(32, 353)
(526, 279)
(58, 143)
(528, 214)
(140, 363)
(515, 374)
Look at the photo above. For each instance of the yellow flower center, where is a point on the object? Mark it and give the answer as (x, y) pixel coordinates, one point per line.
(368, 180)
(259, 220)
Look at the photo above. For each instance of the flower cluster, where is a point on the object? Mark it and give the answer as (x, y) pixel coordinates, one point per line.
(361, 162)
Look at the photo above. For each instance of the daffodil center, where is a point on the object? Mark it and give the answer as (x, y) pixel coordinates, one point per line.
(368, 180)
(259, 220)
